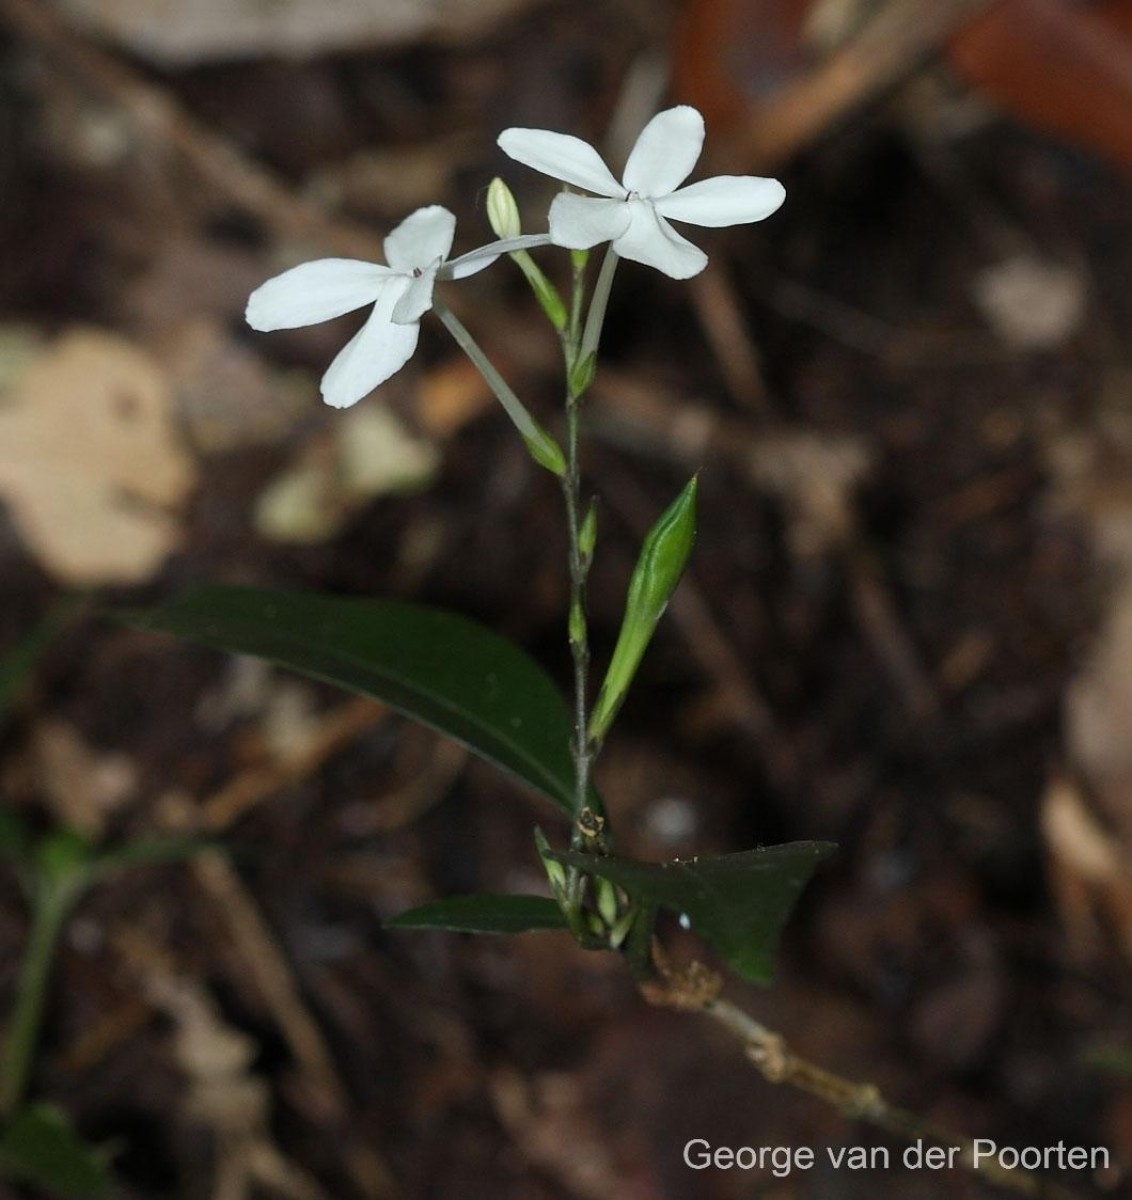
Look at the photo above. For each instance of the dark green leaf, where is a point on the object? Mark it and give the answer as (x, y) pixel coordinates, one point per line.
(482, 913)
(444, 670)
(39, 1146)
(738, 903)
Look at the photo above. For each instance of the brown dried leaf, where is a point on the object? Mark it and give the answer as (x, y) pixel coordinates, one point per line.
(1089, 869)
(1032, 303)
(89, 463)
(369, 453)
(82, 787)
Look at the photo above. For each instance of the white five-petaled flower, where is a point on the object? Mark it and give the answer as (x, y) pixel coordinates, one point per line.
(633, 215)
(401, 293)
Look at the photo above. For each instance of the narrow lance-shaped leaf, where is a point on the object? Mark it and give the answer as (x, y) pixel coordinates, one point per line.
(738, 903)
(444, 670)
(483, 913)
(658, 570)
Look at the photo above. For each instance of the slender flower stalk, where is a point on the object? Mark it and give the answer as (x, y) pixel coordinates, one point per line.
(542, 447)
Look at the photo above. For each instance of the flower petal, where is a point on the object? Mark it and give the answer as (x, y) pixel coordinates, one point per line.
(476, 260)
(378, 350)
(561, 157)
(421, 238)
(416, 299)
(313, 292)
(724, 200)
(652, 241)
(666, 152)
(579, 222)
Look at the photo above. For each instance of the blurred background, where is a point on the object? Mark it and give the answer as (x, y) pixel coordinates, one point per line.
(907, 627)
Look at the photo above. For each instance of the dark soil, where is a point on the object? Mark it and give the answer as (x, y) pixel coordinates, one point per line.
(896, 686)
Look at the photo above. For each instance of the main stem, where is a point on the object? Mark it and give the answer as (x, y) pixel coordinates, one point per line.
(580, 344)
(578, 631)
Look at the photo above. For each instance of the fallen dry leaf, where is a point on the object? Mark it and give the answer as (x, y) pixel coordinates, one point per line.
(82, 787)
(90, 466)
(815, 476)
(368, 453)
(1088, 869)
(1031, 303)
(226, 1097)
(451, 396)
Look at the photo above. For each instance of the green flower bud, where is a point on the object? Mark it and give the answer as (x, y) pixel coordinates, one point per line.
(659, 567)
(545, 451)
(587, 534)
(502, 211)
(606, 895)
(581, 374)
(545, 292)
(555, 872)
(577, 625)
(620, 930)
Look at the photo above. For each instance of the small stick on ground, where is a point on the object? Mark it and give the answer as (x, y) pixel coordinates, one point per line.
(890, 48)
(721, 318)
(695, 988)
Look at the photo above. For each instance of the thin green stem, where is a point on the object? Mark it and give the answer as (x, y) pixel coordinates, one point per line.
(578, 627)
(53, 900)
(595, 318)
(589, 830)
(540, 444)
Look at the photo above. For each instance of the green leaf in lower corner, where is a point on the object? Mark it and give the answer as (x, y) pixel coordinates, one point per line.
(483, 913)
(442, 669)
(738, 903)
(40, 1147)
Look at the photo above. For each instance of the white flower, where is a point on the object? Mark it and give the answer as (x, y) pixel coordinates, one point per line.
(401, 293)
(632, 214)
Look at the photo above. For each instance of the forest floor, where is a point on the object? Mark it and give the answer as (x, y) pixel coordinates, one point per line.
(905, 630)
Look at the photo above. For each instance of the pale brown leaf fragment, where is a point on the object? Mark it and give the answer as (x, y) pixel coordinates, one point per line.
(90, 466)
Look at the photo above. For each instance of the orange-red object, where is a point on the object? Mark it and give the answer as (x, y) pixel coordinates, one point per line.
(1063, 66)
(731, 55)
(1060, 66)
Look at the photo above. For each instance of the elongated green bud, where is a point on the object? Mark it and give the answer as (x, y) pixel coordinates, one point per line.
(587, 534)
(503, 217)
(545, 451)
(502, 211)
(659, 567)
(581, 374)
(620, 929)
(606, 900)
(555, 872)
(545, 292)
(577, 625)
